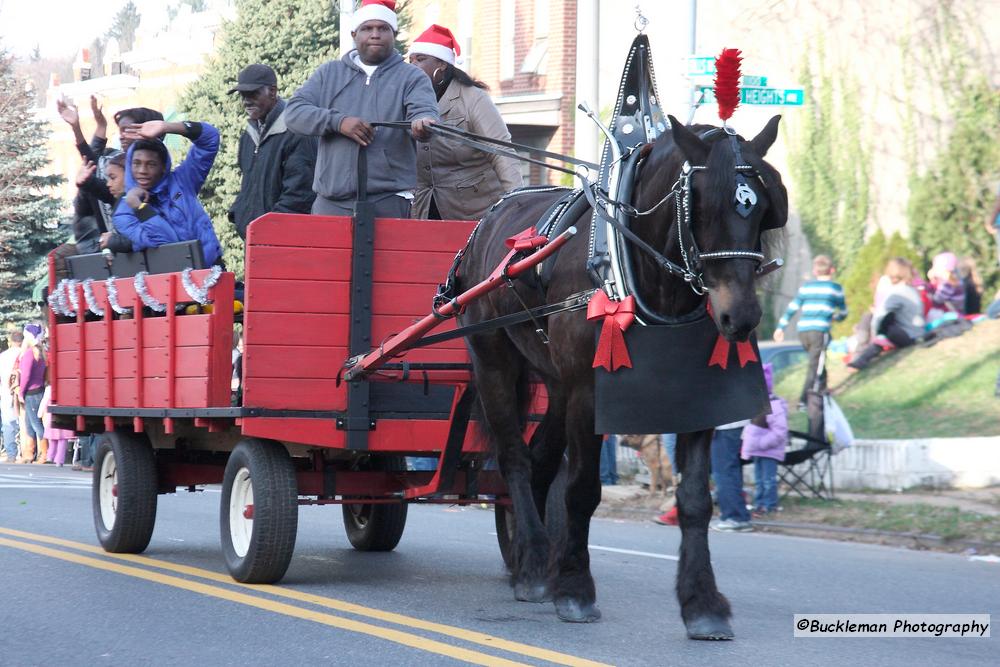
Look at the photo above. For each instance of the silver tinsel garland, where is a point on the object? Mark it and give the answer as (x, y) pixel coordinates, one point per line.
(200, 294)
(143, 292)
(88, 295)
(113, 297)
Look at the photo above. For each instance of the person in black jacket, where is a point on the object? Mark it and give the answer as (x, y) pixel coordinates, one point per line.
(277, 164)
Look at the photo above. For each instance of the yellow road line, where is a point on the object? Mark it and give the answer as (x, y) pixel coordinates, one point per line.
(471, 636)
(406, 639)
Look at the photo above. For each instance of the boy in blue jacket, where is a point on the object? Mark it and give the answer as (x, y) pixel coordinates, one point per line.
(161, 206)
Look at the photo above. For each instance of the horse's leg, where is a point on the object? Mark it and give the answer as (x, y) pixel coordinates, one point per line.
(498, 368)
(704, 609)
(548, 444)
(575, 594)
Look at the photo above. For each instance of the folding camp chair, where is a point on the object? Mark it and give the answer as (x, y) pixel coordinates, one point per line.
(807, 470)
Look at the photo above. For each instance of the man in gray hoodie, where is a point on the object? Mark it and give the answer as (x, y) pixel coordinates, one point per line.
(341, 99)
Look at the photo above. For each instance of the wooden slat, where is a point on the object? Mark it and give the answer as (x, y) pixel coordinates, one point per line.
(286, 229)
(422, 235)
(322, 296)
(299, 263)
(191, 393)
(192, 331)
(191, 362)
(294, 393)
(311, 330)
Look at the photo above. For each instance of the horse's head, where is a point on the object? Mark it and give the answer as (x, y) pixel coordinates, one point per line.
(734, 197)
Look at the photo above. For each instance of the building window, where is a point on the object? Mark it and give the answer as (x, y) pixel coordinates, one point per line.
(534, 62)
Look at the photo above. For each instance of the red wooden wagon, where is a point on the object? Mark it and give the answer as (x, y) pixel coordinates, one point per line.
(155, 388)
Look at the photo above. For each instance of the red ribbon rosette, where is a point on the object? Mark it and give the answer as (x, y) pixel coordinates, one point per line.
(612, 353)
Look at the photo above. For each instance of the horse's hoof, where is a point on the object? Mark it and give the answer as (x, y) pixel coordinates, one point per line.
(532, 592)
(710, 628)
(571, 611)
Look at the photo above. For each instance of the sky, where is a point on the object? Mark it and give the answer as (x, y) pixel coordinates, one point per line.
(62, 27)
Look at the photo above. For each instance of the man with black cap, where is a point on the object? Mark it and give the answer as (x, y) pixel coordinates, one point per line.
(340, 101)
(277, 164)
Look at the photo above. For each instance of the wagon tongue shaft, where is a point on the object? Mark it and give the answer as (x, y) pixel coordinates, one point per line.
(511, 266)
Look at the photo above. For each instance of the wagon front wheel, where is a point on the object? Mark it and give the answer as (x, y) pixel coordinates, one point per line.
(259, 511)
(124, 492)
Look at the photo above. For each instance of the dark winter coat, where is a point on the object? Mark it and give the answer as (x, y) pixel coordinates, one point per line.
(174, 213)
(277, 167)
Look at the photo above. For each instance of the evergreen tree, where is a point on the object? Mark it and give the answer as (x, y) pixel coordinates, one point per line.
(952, 193)
(28, 214)
(294, 37)
(125, 23)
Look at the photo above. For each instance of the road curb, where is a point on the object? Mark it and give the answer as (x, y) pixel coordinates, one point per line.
(919, 538)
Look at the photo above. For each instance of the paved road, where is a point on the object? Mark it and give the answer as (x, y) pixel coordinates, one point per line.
(441, 598)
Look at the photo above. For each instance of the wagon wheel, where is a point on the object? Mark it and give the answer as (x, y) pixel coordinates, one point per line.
(124, 492)
(376, 527)
(259, 512)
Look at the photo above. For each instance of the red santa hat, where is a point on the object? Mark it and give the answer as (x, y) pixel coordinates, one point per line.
(376, 10)
(437, 41)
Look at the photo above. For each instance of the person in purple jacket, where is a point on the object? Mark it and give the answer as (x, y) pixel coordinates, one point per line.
(31, 388)
(764, 441)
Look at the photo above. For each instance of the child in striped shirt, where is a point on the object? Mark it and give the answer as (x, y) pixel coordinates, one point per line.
(821, 301)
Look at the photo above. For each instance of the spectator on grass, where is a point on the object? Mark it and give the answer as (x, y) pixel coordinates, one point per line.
(972, 284)
(821, 301)
(899, 319)
(161, 205)
(945, 286)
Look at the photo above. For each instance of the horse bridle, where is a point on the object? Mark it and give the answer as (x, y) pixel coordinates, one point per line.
(744, 199)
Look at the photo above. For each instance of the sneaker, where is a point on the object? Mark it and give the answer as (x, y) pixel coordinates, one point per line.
(87, 469)
(802, 407)
(668, 518)
(732, 526)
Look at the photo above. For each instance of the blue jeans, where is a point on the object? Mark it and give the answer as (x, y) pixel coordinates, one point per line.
(609, 460)
(10, 430)
(32, 422)
(728, 473)
(765, 475)
(669, 441)
(87, 451)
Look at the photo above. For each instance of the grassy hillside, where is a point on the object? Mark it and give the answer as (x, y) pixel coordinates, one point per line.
(941, 391)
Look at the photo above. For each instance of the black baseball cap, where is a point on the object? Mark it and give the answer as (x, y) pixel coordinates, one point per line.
(253, 77)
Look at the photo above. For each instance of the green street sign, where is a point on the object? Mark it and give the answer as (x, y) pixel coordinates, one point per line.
(753, 80)
(701, 65)
(762, 96)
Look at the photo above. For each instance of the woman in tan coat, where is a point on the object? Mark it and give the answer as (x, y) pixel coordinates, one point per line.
(455, 181)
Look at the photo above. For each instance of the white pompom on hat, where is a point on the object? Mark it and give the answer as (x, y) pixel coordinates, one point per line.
(437, 41)
(376, 10)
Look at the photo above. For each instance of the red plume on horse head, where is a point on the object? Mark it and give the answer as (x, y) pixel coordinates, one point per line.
(727, 82)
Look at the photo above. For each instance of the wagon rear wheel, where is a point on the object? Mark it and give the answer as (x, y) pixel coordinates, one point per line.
(376, 527)
(124, 492)
(259, 511)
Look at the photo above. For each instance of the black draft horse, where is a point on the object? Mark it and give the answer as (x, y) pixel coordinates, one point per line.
(502, 360)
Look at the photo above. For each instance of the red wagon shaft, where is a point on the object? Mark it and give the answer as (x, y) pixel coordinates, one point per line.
(510, 267)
